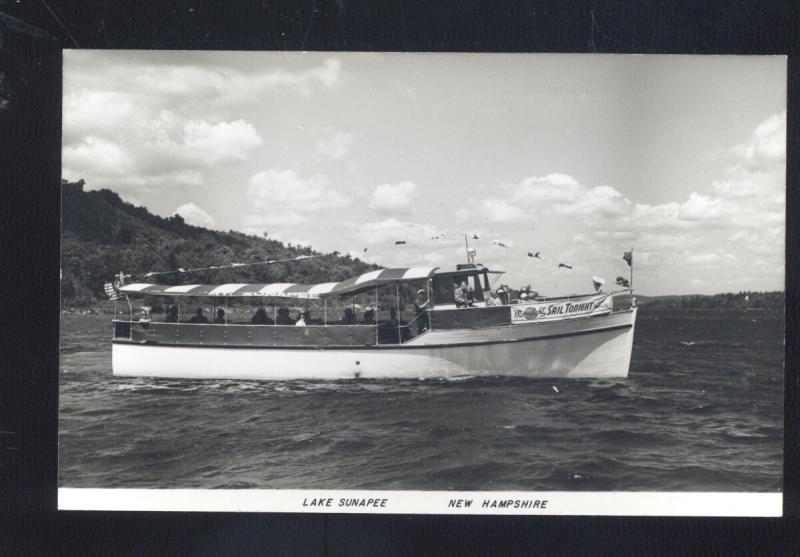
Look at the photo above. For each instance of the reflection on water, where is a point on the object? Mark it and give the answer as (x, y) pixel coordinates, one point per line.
(701, 410)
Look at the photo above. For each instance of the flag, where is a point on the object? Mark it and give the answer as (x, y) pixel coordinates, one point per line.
(622, 281)
(598, 282)
(628, 257)
(399, 242)
(112, 292)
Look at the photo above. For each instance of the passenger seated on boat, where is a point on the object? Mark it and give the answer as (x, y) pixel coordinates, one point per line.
(369, 316)
(220, 318)
(470, 295)
(349, 317)
(387, 329)
(172, 315)
(260, 317)
(198, 317)
(502, 293)
(301, 320)
(283, 317)
(493, 300)
(460, 295)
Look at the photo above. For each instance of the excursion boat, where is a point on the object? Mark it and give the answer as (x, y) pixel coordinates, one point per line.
(389, 323)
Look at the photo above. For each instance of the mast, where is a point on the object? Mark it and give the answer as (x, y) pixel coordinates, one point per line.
(633, 300)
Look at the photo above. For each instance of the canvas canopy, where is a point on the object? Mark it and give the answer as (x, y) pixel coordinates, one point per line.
(284, 289)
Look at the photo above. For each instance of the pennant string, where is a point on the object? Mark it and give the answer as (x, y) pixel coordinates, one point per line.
(217, 267)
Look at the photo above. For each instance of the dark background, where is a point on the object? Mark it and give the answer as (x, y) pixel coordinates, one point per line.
(32, 34)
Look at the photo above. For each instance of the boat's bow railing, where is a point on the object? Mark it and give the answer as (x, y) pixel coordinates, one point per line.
(421, 321)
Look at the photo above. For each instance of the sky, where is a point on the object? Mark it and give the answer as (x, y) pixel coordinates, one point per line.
(579, 157)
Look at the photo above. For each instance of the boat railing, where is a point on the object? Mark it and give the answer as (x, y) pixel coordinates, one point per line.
(230, 334)
(420, 324)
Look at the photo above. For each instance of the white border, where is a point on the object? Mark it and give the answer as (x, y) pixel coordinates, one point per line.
(559, 503)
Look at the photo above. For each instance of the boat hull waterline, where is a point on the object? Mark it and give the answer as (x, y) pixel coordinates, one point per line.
(596, 347)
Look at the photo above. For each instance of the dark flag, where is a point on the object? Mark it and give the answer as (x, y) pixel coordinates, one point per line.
(112, 292)
(628, 257)
(399, 242)
(564, 265)
(622, 281)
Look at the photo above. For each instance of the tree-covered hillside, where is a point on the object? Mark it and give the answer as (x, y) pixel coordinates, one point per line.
(740, 300)
(102, 235)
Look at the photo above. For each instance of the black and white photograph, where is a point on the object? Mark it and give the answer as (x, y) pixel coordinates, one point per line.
(422, 282)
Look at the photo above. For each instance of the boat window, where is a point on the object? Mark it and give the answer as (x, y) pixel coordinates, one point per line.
(475, 283)
(443, 288)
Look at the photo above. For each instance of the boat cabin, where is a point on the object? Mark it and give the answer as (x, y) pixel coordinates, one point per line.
(387, 306)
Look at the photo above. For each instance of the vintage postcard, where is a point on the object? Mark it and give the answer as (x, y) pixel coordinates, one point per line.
(422, 283)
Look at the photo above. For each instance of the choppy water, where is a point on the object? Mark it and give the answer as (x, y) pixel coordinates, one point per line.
(701, 417)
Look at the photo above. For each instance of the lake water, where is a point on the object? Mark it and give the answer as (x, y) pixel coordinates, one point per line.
(706, 416)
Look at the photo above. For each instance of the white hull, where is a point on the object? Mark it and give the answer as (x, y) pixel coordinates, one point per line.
(598, 347)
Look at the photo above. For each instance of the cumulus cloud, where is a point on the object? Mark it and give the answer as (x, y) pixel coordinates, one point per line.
(156, 120)
(393, 199)
(154, 149)
(539, 191)
(738, 218)
(332, 144)
(703, 207)
(193, 214)
(564, 195)
(388, 231)
(766, 146)
(282, 199)
(281, 189)
(705, 258)
(600, 201)
(500, 211)
(219, 142)
(195, 76)
(697, 283)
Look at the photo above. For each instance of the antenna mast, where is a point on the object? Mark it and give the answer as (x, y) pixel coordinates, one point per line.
(470, 254)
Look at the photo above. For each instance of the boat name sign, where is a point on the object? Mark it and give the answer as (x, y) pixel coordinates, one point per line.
(565, 309)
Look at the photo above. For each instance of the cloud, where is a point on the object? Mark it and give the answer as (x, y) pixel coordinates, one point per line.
(280, 199)
(500, 211)
(332, 144)
(766, 146)
(388, 231)
(600, 201)
(538, 192)
(144, 119)
(709, 258)
(220, 142)
(719, 231)
(564, 195)
(196, 77)
(275, 189)
(697, 283)
(155, 149)
(393, 199)
(104, 157)
(702, 207)
(194, 215)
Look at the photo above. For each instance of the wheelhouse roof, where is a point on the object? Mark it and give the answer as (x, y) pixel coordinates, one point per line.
(284, 289)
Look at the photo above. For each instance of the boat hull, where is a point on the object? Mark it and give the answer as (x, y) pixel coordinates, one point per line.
(597, 347)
